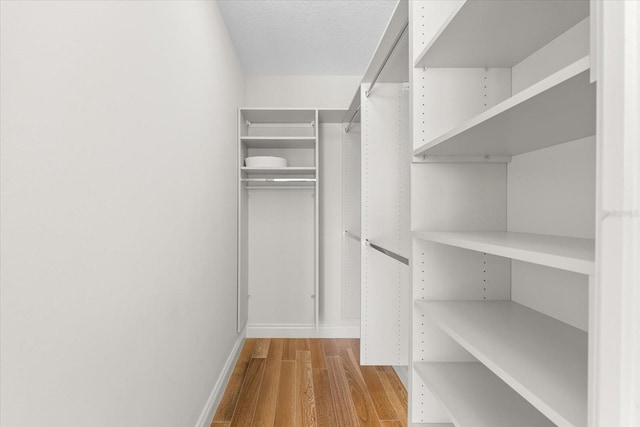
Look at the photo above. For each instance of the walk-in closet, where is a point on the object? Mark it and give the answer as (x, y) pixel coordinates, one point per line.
(414, 213)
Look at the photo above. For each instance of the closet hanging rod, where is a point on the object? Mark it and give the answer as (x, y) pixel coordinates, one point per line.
(387, 252)
(281, 187)
(278, 180)
(386, 59)
(355, 113)
(351, 235)
(312, 123)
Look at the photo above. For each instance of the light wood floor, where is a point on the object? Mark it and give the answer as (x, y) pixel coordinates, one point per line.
(310, 382)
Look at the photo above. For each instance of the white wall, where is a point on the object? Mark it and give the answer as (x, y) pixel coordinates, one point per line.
(276, 91)
(118, 243)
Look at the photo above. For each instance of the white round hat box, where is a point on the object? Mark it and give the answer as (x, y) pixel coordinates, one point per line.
(265, 162)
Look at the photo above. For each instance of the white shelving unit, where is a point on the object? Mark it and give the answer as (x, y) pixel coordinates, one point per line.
(565, 253)
(475, 397)
(503, 213)
(558, 109)
(281, 297)
(497, 34)
(541, 358)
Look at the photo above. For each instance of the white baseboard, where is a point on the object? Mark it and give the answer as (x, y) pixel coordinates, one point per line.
(218, 389)
(301, 331)
(403, 373)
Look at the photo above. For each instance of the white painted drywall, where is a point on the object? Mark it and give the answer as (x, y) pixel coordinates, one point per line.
(282, 91)
(118, 243)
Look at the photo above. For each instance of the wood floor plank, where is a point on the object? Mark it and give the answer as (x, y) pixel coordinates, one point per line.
(395, 392)
(298, 383)
(266, 407)
(289, 350)
(286, 404)
(345, 410)
(329, 348)
(355, 347)
(305, 399)
(317, 355)
(378, 394)
(248, 399)
(302, 344)
(342, 343)
(365, 409)
(325, 411)
(262, 348)
(229, 400)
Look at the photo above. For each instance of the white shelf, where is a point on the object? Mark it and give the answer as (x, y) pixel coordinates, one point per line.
(541, 358)
(558, 109)
(474, 397)
(279, 141)
(565, 253)
(331, 115)
(499, 33)
(299, 171)
(278, 115)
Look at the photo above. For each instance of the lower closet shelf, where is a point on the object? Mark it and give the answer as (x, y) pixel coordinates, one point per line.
(473, 396)
(541, 358)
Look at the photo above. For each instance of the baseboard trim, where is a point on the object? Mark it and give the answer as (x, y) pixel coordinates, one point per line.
(302, 331)
(218, 389)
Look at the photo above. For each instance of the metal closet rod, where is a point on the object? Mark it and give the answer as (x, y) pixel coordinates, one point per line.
(281, 187)
(355, 113)
(387, 252)
(351, 235)
(386, 59)
(278, 180)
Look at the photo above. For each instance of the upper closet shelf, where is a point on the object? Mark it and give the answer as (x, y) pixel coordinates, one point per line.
(331, 115)
(301, 171)
(278, 115)
(558, 109)
(541, 358)
(473, 396)
(279, 141)
(498, 33)
(565, 253)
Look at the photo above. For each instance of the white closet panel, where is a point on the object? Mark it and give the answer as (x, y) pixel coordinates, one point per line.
(445, 97)
(281, 257)
(567, 48)
(351, 246)
(547, 176)
(385, 222)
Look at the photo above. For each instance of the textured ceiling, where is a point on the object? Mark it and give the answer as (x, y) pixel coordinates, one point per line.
(306, 37)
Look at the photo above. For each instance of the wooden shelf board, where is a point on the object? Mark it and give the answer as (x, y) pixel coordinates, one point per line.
(279, 141)
(541, 358)
(560, 108)
(475, 397)
(301, 171)
(475, 35)
(565, 253)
